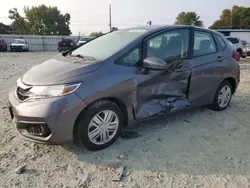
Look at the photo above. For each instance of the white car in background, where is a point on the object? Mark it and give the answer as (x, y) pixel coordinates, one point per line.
(82, 40)
(19, 45)
(237, 45)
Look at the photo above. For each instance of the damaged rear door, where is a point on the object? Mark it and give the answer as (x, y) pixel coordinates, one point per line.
(160, 91)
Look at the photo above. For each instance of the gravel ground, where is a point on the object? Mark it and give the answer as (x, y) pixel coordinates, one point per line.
(198, 148)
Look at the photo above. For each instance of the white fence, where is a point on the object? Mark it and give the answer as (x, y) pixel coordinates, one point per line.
(38, 42)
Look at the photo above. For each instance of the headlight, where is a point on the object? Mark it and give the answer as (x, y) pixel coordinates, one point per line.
(52, 91)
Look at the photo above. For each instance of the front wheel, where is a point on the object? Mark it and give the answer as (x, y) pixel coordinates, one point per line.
(222, 97)
(99, 126)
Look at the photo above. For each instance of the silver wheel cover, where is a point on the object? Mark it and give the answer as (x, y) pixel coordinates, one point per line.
(103, 127)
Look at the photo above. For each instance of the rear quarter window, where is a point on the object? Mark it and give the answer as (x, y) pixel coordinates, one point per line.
(221, 41)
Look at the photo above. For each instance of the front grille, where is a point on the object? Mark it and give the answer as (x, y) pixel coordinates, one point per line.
(22, 93)
(17, 47)
(35, 129)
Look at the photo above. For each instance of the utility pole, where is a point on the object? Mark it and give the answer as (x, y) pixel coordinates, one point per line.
(110, 26)
(231, 21)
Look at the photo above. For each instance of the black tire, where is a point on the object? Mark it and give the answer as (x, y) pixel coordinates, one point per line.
(215, 105)
(240, 52)
(81, 127)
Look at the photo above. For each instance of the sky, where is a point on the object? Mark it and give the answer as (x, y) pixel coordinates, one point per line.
(93, 15)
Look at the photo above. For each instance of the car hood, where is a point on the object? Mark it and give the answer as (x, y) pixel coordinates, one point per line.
(58, 69)
(17, 44)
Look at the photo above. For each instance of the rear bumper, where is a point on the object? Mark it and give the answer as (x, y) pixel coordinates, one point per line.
(47, 120)
(246, 53)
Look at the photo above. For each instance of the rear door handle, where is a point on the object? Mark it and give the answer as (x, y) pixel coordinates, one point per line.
(219, 58)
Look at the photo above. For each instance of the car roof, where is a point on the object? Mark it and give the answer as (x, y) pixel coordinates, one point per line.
(158, 27)
(232, 37)
(150, 29)
(19, 39)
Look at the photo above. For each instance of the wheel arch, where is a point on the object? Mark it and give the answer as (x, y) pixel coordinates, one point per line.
(117, 101)
(232, 81)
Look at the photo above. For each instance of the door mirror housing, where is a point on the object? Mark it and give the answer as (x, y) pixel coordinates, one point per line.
(154, 63)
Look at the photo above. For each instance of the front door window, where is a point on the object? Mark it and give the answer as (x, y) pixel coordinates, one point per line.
(170, 45)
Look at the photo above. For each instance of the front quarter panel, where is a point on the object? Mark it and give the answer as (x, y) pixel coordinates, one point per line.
(109, 80)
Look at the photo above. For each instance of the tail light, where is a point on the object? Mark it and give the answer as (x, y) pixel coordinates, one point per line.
(57, 44)
(236, 55)
(71, 43)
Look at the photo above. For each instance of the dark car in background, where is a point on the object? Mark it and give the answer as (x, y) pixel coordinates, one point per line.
(90, 93)
(65, 44)
(3, 45)
(19, 45)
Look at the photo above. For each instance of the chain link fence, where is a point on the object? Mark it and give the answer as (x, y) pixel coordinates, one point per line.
(38, 42)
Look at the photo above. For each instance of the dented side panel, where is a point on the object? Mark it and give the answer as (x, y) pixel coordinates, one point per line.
(161, 92)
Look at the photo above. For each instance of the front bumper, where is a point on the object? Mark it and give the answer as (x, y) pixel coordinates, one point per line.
(18, 48)
(52, 118)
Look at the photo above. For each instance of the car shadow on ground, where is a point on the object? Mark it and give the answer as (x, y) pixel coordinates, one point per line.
(198, 141)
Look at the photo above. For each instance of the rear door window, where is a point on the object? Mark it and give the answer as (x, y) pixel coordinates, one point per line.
(204, 43)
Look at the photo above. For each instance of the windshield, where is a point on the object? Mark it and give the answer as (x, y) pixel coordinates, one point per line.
(106, 45)
(18, 41)
(84, 39)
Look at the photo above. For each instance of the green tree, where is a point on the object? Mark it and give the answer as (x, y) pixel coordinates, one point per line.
(237, 18)
(188, 18)
(41, 20)
(5, 29)
(96, 34)
(19, 24)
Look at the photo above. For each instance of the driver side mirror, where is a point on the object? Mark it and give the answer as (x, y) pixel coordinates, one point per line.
(154, 63)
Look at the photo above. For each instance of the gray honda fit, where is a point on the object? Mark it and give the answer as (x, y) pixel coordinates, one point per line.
(90, 93)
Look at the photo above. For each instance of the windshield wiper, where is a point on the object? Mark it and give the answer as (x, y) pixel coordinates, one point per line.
(84, 57)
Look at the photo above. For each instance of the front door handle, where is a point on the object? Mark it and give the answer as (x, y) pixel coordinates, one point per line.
(181, 69)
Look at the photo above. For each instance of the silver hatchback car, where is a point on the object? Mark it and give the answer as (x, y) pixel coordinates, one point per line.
(90, 93)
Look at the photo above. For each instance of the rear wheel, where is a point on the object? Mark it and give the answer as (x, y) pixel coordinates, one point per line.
(100, 126)
(222, 97)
